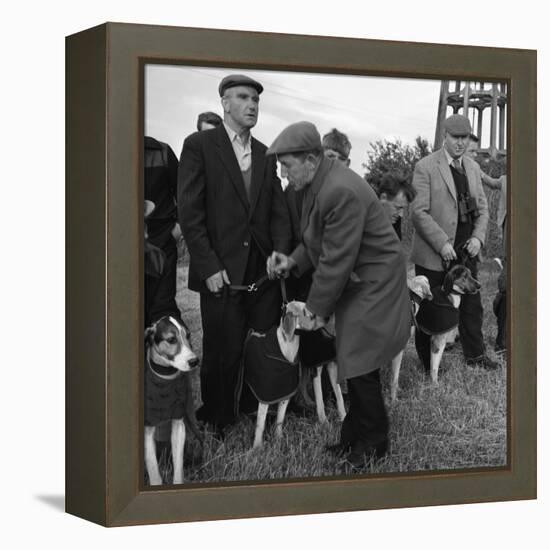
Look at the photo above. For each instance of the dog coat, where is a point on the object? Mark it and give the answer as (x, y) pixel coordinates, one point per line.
(317, 348)
(163, 398)
(266, 371)
(438, 315)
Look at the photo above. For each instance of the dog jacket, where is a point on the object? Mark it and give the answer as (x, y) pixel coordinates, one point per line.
(266, 371)
(438, 315)
(317, 348)
(163, 398)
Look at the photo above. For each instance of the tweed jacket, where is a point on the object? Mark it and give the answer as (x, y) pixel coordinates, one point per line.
(434, 210)
(218, 220)
(360, 273)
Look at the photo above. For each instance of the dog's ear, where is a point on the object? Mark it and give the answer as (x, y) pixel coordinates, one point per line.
(149, 335)
(289, 324)
(448, 282)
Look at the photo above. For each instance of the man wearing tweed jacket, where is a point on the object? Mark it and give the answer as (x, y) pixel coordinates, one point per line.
(450, 216)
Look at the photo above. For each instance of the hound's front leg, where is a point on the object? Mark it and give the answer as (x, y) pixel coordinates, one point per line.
(260, 424)
(395, 368)
(178, 442)
(436, 353)
(151, 457)
(281, 411)
(332, 369)
(318, 392)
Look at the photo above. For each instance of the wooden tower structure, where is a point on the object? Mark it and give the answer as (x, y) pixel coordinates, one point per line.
(475, 100)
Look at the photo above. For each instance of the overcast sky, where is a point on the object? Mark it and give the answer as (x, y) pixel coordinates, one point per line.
(365, 108)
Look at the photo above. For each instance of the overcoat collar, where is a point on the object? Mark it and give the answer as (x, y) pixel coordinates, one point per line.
(313, 189)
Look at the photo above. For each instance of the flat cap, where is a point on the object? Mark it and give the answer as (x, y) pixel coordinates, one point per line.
(300, 136)
(233, 80)
(458, 125)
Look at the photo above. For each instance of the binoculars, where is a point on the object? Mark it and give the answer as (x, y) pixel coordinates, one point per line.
(467, 208)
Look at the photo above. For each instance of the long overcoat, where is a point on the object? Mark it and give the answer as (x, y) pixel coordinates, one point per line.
(360, 272)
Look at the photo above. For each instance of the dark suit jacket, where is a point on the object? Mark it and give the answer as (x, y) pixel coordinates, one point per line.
(218, 222)
(360, 272)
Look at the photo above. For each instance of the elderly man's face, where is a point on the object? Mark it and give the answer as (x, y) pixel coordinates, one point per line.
(456, 145)
(299, 172)
(335, 155)
(241, 106)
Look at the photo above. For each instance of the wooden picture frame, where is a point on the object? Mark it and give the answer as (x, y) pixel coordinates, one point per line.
(104, 265)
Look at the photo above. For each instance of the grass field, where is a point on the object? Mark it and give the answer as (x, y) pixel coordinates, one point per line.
(459, 424)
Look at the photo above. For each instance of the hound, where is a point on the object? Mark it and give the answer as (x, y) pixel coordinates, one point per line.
(271, 368)
(317, 351)
(458, 281)
(168, 360)
(419, 290)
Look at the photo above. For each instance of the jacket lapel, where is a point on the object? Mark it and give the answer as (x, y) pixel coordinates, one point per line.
(258, 168)
(446, 173)
(227, 155)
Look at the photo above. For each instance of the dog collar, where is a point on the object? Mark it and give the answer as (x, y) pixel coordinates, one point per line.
(166, 373)
(414, 297)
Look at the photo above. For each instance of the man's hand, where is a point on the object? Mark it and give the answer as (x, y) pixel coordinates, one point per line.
(448, 252)
(215, 282)
(473, 246)
(176, 232)
(279, 265)
(314, 321)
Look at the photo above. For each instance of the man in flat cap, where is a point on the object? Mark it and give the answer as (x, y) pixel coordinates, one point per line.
(359, 276)
(233, 215)
(450, 215)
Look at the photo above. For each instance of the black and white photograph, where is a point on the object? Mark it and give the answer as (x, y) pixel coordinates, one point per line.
(142, 406)
(325, 267)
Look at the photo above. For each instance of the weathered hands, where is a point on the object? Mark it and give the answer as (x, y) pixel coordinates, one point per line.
(215, 282)
(473, 246)
(448, 252)
(312, 321)
(279, 265)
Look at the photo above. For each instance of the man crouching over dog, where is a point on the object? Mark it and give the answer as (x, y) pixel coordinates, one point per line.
(359, 275)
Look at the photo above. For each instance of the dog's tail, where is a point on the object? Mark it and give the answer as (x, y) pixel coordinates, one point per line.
(189, 409)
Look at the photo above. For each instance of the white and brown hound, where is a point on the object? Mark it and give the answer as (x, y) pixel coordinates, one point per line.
(419, 289)
(438, 316)
(318, 351)
(168, 395)
(458, 282)
(271, 368)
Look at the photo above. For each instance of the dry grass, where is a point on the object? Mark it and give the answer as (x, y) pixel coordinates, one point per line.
(459, 424)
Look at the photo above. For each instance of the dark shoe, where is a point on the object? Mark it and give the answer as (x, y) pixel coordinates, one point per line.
(338, 448)
(483, 362)
(361, 456)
